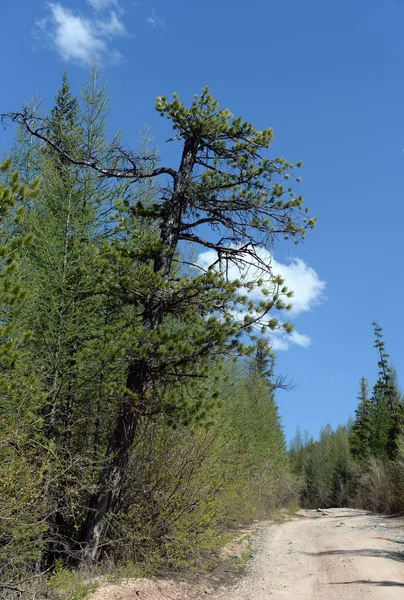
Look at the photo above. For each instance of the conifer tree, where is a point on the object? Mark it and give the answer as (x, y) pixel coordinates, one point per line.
(74, 344)
(386, 405)
(63, 125)
(362, 426)
(263, 360)
(59, 220)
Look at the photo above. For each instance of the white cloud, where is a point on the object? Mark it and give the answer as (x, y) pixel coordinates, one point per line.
(80, 39)
(155, 21)
(303, 280)
(305, 283)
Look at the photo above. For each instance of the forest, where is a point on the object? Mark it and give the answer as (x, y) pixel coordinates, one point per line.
(360, 464)
(139, 423)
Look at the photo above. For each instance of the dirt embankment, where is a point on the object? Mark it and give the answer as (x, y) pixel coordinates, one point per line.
(342, 554)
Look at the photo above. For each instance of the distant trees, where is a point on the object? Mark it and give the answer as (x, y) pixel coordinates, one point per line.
(325, 467)
(377, 438)
(362, 463)
(378, 422)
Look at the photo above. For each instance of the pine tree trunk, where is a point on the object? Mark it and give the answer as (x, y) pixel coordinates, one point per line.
(111, 477)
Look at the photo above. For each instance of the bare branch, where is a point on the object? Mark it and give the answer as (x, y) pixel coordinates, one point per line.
(6, 586)
(135, 172)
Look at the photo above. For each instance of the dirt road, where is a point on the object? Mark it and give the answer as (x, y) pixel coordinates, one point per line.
(342, 554)
(337, 554)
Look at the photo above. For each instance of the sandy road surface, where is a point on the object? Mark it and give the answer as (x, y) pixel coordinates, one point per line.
(342, 554)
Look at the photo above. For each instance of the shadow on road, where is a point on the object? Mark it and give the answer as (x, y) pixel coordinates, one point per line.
(397, 556)
(399, 541)
(366, 582)
(324, 515)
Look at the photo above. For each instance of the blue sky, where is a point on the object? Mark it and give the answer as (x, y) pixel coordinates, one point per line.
(329, 78)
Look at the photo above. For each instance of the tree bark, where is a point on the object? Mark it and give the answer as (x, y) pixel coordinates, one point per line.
(111, 477)
(104, 501)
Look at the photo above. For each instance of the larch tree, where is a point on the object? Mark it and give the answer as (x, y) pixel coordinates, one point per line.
(74, 343)
(21, 447)
(225, 185)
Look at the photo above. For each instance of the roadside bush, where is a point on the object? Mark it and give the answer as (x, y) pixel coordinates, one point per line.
(187, 485)
(170, 503)
(380, 487)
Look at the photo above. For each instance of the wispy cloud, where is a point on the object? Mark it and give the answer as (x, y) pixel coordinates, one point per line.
(282, 341)
(278, 342)
(155, 21)
(111, 27)
(299, 277)
(82, 39)
(103, 4)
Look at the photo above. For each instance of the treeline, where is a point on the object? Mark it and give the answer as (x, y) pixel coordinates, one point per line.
(360, 464)
(131, 427)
